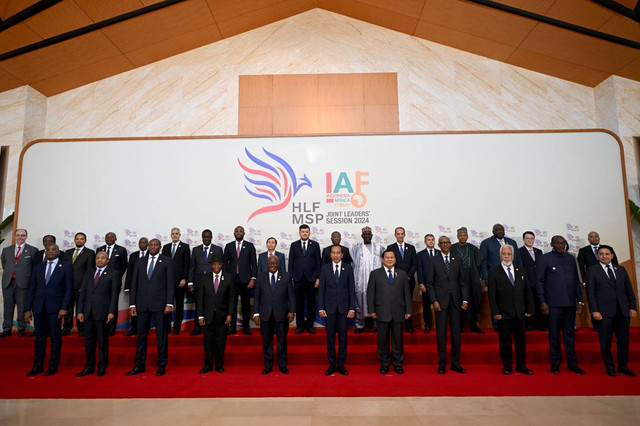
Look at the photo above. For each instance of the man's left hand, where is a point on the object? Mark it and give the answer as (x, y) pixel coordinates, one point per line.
(62, 313)
(252, 282)
(183, 282)
(167, 310)
(351, 314)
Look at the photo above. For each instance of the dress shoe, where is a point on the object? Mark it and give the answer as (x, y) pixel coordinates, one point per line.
(476, 329)
(51, 371)
(161, 371)
(611, 372)
(398, 369)
(343, 371)
(427, 330)
(555, 369)
(81, 334)
(66, 332)
(329, 371)
(298, 331)
(85, 372)
(31, 334)
(21, 333)
(176, 332)
(232, 331)
(266, 371)
(311, 331)
(626, 371)
(220, 370)
(577, 370)
(358, 330)
(246, 331)
(130, 333)
(529, 328)
(136, 370)
(35, 370)
(195, 332)
(101, 372)
(495, 329)
(384, 370)
(5, 334)
(284, 370)
(506, 371)
(112, 333)
(459, 369)
(410, 330)
(441, 370)
(205, 369)
(524, 370)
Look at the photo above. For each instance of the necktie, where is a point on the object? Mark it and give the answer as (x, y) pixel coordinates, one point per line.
(150, 270)
(141, 255)
(430, 252)
(206, 255)
(109, 252)
(390, 277)
(304, 248)
(17, 257)
(402, 251)
(75, 255)
(215, 283)
(337, 275)
(173, 250)
(49, 272)
(96, 276)
(533, 256)
(446, 264)
(610, 273)
(501, 243)
(510, 276)
(273, 282)
(238, 257)
(595, 252)
(270, 254)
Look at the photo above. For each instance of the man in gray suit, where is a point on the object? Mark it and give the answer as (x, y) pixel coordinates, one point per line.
(17, 263)
(389, 303)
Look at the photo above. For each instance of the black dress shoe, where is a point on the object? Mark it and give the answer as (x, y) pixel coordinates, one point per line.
(81, 334)
(176, 332)
(195, 332)
(284, 370)
(577, 370)
(66, 332)
(85, 372)
(51, 371)
(161, 371)
(246, 331)
(232, 331)
(329, 371)
(411, 330)
(205, 369)
(298, 331)
(31, 334)
(524, 370)
(266, 371)
(101, 372)
(5, 334)
(136, 370)
(477, 329)
(529, 328)
(441, 370)
(611, 372)
(130, 333)
(21, 333)
(398, 369)
(220, 370)
(555, 369)
(506, 371)
(311, 331)
(35, 370)
(113, 333)
(343, 371)
(626, 371)
(358, 330)
(384, 370)
(459, 369)
(427, 330)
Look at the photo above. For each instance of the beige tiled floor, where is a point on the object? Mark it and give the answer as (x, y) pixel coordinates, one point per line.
(511, 411)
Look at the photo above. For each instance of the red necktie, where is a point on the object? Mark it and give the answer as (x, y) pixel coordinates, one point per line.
(215, 283)
(96, 277)
(238, 257)
(17, 257)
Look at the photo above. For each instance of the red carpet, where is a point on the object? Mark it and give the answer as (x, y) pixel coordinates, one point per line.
(307, 362)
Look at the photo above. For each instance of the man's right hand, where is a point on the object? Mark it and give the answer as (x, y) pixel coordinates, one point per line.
(133, 312)
(436, 306)
(80, 317)
(28, 316)
(257, 320)
(544, 308)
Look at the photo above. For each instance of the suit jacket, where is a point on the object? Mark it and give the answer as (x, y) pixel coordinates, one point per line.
(346, 256)
(446, 288)
(100, 299)
(245, 263)
(337, 296)
(133, 259)
(262, 262)
(301, 266)
(410, 262)
(39, 257)
(529, 264)
(22, 268)
(389, 301)
(198, 267)
(423, 263)
(586, 259)
(152, 294)
(215, 306)
(490, 249)
(605, 296)
(56, 295)
(85, 261)
(510, 301)
(558, 283)
(279, 303)
(181, 260)
(118, 258)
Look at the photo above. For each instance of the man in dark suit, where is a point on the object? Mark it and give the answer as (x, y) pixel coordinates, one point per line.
(98, 306)
(143, 244)
(201, 264)
(389, 303)
(450, 293)
(40, 257)
(530, 256)
(152, 294)
(558, 289)
(181, 255)
(83, 259)
(48, 301)
(336, 303)
(304, 268)
(274, 305)
(407, 261)
(326, 252)
(471, 259)
(118, 261)
(424, 258)
(511, 302)
(17, 264)
(214, 311)
(272, 243)
(613, 302)
(240, 261)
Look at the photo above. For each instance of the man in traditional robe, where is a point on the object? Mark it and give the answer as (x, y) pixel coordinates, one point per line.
(367, 256)
(471, 269)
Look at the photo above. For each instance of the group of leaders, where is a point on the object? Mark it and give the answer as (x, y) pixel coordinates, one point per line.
(371, 281)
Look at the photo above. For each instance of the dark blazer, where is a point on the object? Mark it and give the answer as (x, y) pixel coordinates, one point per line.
(198, 267)
(390, 302)
(443, 287)
(215, 307)
(410, 262)
(510, 301)
(152, 294)
(423, 262)
(490, 249)
(280, 302)
(604, 296)
(346, 256)
(50, 298)
(133, 259)
(262, 261)
(181, 260)
(245, 263)
(529, 264)
(85, 261)
(118, 259)
(22, 268)
(586, 259)
(100, 299)
(39, 257)
(301, 266)
(337, 297)
(558, 284)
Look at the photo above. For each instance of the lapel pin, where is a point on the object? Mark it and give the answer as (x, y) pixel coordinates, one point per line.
(159, 260)
(222, 278)
(279, 277)
(554, 268)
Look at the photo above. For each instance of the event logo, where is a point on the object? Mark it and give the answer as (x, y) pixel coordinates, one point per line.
(342, 192)
(273, 180)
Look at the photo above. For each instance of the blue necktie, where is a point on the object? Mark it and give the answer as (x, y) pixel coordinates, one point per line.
(173, 251)
(402, 252)
(337, 275)
(595, 252)
(49, 272)
(150, 271)
(206, 256)
(273, 282)
(510, 277)
(304, 248)
(390, 277)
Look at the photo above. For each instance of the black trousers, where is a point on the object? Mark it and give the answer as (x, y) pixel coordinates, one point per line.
(281, 328)
(562, 319)
(451, 313)
(179, 305)
(67, 324)
(619, 325)
(408, 323)
(214, 338)
(144, 324)
(305, 297)
(244, 293)
(96, 333)
(507, 328)
(47, 324)
(336, 323)
(426, 310)
(396, 356)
